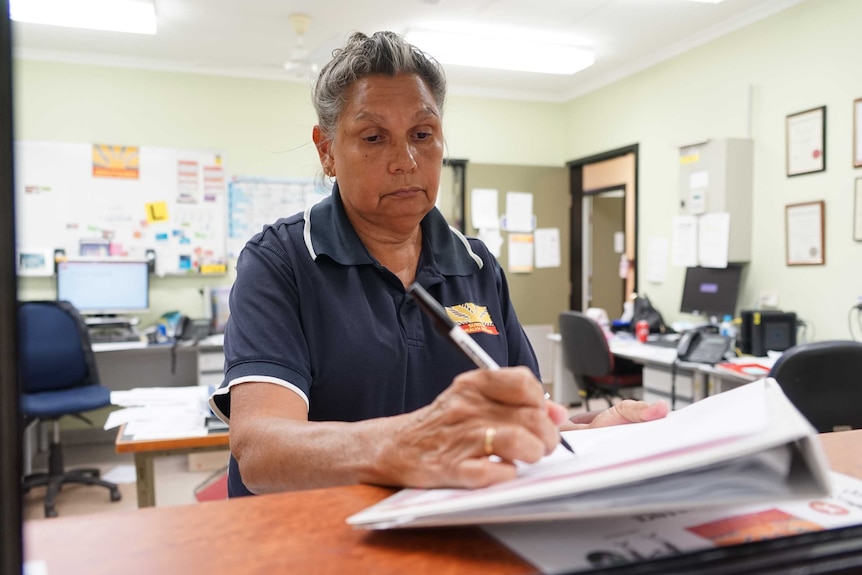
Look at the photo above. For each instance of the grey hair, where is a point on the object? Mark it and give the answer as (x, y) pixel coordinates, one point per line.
(384, 53)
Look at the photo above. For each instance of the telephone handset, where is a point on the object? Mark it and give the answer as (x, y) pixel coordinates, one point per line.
(702, 346)
(174, 325)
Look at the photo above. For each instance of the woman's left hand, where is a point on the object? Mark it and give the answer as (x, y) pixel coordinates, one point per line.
(626, 411)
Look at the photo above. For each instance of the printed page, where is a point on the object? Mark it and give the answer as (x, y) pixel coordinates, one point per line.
(562, 546)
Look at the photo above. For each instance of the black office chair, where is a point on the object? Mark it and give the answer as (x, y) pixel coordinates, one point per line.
(824, 381)
(587, 355)
(58, 377)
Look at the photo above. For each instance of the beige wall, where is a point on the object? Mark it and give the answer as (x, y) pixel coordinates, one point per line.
(542, 294)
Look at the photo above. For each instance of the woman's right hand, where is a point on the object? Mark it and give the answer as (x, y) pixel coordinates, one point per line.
(445, 444)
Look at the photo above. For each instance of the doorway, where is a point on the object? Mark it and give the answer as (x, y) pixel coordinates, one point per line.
(603, 221)
(604, 245)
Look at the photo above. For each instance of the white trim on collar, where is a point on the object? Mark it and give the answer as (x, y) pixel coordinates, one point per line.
(470, 251)
(306, 233)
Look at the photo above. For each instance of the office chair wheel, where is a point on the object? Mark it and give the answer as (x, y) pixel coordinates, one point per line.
(115, 494)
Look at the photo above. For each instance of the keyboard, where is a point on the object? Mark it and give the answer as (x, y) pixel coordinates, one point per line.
(114, 337)
(663, 342)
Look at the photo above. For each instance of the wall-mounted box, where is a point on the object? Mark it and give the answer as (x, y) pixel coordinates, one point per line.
(718, 176)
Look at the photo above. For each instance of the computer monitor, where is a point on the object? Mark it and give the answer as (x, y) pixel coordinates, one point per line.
(711, 291)
(105, 286)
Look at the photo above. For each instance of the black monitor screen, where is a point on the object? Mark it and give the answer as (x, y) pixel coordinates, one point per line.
(711, 291)
(104, 286)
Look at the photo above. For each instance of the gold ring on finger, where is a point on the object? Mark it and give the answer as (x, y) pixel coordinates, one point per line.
(490, 435)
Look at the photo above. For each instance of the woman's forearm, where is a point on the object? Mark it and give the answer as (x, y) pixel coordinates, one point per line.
(279, 454)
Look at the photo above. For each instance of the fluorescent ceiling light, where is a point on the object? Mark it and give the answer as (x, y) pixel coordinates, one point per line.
(509, 53)
(135, 16)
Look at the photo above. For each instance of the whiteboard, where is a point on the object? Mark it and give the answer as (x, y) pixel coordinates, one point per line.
(115, 200)
(254, 202)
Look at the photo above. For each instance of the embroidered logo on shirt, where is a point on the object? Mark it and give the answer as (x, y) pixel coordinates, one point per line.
(472, 318)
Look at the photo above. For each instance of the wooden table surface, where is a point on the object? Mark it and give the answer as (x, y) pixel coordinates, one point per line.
(123, 445)
(301, 532)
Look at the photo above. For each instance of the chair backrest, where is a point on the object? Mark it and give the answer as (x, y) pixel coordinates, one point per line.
(53, 347)
(585, 347)
(824, 381)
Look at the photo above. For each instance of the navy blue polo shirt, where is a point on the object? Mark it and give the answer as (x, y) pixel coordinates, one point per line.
(313, 311)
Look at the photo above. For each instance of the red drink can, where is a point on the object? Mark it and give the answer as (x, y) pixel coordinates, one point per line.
(642, 330)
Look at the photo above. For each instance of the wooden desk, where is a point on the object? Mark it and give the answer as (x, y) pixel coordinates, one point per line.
(148, 449)
(301, 532)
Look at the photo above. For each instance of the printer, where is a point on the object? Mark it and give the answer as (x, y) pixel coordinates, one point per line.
(766, 330)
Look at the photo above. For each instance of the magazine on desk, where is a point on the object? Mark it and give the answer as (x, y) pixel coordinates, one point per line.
(746, 445)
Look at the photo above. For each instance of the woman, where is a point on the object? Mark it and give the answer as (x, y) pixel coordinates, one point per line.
(333, 376)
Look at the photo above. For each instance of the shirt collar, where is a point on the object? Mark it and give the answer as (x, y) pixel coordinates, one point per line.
(328, 231)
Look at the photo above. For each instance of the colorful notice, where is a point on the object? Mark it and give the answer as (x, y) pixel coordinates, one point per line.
(115, 161)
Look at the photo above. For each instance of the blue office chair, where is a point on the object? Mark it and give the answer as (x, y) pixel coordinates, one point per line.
(824, 381)
(588, 356)
(58, 377)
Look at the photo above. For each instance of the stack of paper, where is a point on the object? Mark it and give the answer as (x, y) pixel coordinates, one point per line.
(161, 412)
(744, 445)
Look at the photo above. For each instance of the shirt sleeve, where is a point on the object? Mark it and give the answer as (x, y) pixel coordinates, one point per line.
(264, 338)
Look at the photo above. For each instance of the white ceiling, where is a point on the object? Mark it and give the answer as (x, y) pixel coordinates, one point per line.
(253, 38)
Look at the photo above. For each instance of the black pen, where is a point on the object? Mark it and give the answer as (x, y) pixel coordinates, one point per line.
(444, 324)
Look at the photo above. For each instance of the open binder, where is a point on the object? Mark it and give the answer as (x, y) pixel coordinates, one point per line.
(746, 445)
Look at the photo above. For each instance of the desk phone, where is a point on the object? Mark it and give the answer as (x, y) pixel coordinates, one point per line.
(699, 347)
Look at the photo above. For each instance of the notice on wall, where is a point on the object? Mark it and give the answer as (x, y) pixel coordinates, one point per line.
(713, 238)
(519, 212)
(483, 209)
(520, 253)
(547, 242)
(493, 239)
(684, 241)
(657, 249)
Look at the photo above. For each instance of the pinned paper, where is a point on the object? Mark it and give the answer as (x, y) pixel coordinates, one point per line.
(684, 241)
(520, 253)
(713, 239)
(547, 247)
(493, 239)
(483, 208)
(519, 212)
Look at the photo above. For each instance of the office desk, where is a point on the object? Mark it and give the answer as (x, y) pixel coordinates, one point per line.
(127, 366)
(147, 450)
(302, 532)
(661, 373)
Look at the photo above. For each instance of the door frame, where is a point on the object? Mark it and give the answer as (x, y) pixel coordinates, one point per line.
(576, 219)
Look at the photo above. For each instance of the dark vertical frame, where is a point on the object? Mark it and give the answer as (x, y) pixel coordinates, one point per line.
(857, 132)
(576, 187)
(459, 167)
(11, 548)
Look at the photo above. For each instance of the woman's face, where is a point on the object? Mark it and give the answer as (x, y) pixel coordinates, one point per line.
(387, 152)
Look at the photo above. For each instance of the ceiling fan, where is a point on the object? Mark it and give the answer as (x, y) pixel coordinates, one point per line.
(300, 65)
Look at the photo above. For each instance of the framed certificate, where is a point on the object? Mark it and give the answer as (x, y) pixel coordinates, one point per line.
(806, 142)
(804, 225)
(857, 134)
